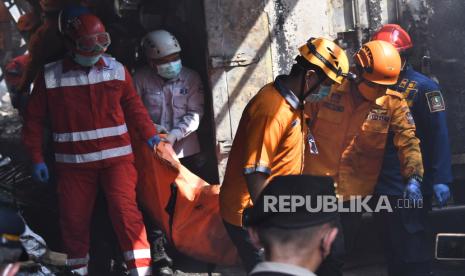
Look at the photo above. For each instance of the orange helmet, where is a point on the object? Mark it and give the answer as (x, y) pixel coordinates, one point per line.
(395, 35)
(328, 56)
(28, 22)
(379, 62)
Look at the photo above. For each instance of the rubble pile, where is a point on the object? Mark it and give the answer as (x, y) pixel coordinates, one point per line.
(10, 121)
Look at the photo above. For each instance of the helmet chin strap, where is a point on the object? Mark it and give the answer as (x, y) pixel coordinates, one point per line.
(404, 63)
(304, 95)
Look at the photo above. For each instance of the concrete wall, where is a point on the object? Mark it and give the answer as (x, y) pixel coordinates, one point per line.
(293, 22)
(438, 34)
(251, 42)
(266, 35)
(239, 63)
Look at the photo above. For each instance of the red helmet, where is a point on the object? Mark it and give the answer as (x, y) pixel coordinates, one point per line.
(87, 33)
(28, 22)
(15, 69)
(395, 35)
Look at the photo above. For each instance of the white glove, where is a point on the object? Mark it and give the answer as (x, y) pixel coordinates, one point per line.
(161, 129)
(170, 138)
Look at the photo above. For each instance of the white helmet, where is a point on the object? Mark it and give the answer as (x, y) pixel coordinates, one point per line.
(159, 44)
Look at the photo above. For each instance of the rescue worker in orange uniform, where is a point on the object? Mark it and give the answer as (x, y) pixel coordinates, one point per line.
(271, 135)
(350, 126)
(88, 97)
(350, 129)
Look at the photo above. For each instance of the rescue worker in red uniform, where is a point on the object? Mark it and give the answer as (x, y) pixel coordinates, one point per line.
(28, 23)
(13, 71)
(88, 97)
(45, 44)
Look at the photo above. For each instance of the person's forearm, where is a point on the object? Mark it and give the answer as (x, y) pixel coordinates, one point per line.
(256, 182)
(189, 123)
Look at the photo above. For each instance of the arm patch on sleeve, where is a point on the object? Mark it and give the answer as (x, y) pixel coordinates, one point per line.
(435, 101)
(410, 119)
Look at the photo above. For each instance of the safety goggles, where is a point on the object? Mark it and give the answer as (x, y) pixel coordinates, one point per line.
(93, 43)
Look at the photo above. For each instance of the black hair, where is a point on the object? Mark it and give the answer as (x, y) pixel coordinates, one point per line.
(302, 66)
(269, 236)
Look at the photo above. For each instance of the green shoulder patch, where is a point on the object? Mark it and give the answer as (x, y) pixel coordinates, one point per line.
(435, 101)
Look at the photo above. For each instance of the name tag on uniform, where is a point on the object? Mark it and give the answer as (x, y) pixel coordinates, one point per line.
(377, 114)
(311, 143)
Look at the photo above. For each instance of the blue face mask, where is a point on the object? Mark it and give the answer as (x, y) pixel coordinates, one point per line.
(170, 70)
(323, 92)
(85, 60)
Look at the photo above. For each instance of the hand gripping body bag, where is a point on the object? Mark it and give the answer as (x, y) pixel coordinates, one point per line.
(183, 205)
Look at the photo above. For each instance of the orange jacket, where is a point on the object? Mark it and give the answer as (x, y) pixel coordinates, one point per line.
(351, 139)
(269, 140)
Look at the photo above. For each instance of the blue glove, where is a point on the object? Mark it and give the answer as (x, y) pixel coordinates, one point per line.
(40, 172)
(153, 141)
(412, 191)
(442, 193)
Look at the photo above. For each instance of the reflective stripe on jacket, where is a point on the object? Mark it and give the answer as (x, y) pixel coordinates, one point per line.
(351, 140)
(270, 140)
(88, 110)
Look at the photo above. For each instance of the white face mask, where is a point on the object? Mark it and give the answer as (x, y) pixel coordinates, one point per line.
(323, 92)
(86, 61)
(169, 70)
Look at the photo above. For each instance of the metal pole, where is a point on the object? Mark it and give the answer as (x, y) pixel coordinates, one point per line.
(398, 7)
(357, 26)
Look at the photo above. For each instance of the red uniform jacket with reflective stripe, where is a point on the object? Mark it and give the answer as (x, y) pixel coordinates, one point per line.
(88, 110)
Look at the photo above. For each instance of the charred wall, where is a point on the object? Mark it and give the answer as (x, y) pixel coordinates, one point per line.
(438, 32)
(447, 44)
